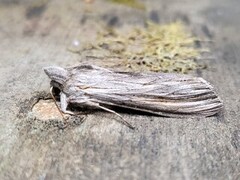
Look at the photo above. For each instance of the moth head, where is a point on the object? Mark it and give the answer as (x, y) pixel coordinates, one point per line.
(57, 74)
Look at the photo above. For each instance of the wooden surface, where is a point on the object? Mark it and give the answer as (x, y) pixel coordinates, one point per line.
(34, 36)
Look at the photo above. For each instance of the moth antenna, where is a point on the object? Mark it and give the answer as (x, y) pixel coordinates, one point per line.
(55, 102)
(123, 121)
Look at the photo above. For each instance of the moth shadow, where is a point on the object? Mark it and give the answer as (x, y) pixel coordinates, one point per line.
(84, 110)
(128, 111)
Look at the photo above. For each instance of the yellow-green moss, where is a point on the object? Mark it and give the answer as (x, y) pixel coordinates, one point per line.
(131, 3)
(159, 48)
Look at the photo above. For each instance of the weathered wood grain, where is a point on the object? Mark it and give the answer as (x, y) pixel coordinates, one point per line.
(34, 36)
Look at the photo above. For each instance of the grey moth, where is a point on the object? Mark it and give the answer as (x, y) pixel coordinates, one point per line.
(164, 94)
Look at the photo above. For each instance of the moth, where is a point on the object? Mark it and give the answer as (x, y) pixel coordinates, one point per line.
(164, 94)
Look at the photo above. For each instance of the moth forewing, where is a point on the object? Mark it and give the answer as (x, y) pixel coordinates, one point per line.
(172, 95)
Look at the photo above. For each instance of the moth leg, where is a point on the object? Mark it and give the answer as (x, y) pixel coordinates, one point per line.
(123, 121)
(63, 110)
(51, 90)
(64, 104)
